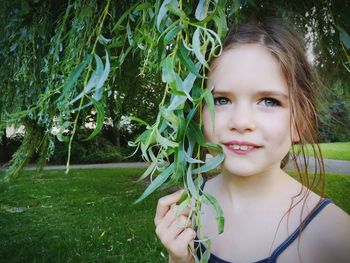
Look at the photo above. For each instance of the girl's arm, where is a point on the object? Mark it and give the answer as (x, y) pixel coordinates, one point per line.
(172, 231)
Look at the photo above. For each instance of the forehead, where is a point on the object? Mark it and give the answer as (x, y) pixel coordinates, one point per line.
(247, 66)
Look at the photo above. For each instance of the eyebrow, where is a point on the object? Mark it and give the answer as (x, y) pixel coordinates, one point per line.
(259, 93)
(273, 94)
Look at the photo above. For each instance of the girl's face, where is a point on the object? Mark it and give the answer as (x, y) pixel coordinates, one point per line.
(252, 114)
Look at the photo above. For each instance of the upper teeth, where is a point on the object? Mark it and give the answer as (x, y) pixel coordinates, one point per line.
(241, 147)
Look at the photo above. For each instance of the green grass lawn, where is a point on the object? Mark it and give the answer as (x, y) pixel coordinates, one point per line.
(88, 216)
(335, 150)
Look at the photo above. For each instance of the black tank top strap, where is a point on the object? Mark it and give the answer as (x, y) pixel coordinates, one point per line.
(203, 184)
(298, 231)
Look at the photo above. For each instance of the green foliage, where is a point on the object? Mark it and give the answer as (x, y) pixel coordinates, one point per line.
(184, 46)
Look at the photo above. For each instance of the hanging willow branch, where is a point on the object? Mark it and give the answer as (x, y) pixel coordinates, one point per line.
(184, 45)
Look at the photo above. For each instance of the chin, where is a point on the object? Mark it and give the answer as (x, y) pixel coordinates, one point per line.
(238, 170)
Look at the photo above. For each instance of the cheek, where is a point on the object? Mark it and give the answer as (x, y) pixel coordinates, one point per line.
(277, 128)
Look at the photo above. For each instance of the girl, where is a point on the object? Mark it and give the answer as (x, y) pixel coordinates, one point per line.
(265, 95)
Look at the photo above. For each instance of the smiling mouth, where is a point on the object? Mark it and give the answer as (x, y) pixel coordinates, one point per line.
(241, 147)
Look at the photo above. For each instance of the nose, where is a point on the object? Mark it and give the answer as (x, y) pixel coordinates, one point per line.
(242, 118)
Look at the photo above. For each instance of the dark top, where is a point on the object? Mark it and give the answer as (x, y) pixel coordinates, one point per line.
(281, 247)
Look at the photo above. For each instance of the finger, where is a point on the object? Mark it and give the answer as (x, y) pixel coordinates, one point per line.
(169, 218)
(164, 204)
(184, 211)
(185, 239)
(178, 226)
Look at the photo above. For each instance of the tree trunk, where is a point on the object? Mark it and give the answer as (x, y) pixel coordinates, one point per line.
(32, 139)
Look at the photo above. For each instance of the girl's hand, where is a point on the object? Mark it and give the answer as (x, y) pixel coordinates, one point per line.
(173, 231)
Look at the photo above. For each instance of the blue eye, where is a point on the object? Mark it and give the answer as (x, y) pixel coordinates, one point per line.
(269, 102)
(221, 101)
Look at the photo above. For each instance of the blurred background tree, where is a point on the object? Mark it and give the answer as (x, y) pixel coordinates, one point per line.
(51, 50)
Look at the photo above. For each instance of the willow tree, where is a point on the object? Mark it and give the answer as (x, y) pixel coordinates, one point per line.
(62, 60)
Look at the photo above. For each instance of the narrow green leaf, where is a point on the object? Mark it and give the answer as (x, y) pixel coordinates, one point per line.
(132, 118)
(165, 142)
(182, 204)
(195, 134)
(220, 22)
(124, 54)
(162, 12)
(209, 101)
(180, 163)
(178, 92)
(180, 154)
(168, 74)
(182, 126)
(213, 146)
(176, 102)
(82, 107)
(156, 183)
(185, 59)
(150, 169)
(62, 138)
(142, 7)
(201, 10)
(183, 197)
(172, 33)
(173, 9)
(74, 76)
(100, 113)
(161, 50)
(178, 84)
(129, 34)
(213, 163)
(344, 37)
(143, 137)
(188, 154)
(219, 213)
(169, 116)
(196, 45)
(188, 82)
(102, 79)
(117, 25)
(89, 86)
(206, 255)
(103, 40)
(190, 184)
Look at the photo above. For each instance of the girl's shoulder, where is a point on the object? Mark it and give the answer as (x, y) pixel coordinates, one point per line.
(329, 233)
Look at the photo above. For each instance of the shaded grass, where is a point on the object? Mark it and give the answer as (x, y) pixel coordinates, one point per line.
(334, 150)
(88, 216)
